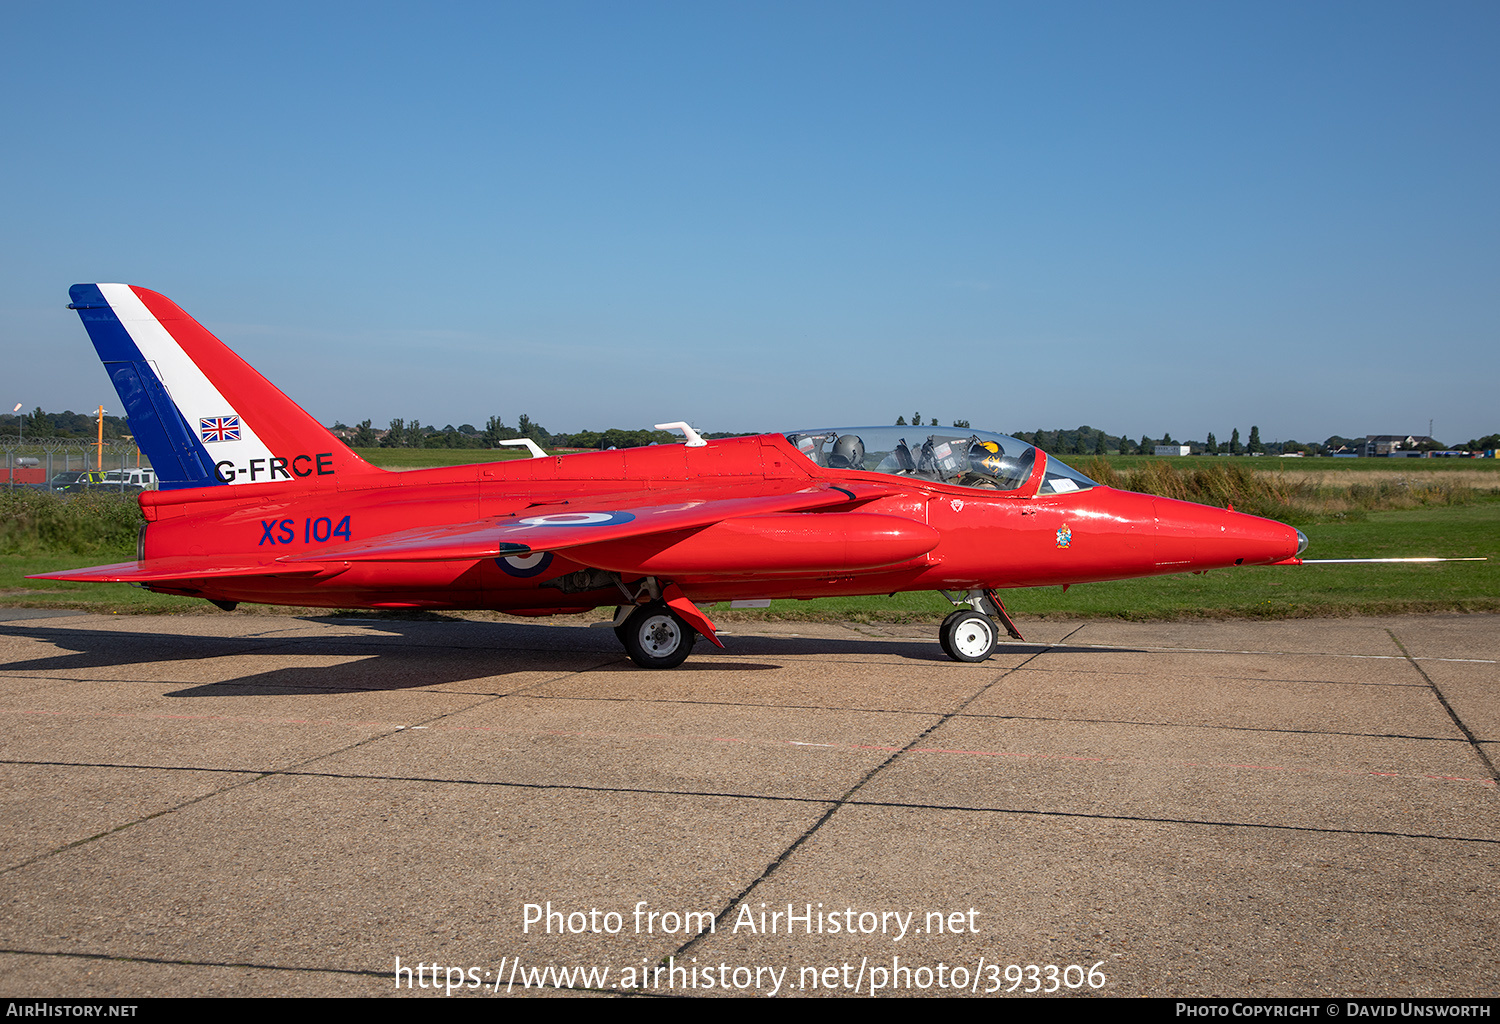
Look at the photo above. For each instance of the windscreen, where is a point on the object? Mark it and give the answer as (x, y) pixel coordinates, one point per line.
(959, 456)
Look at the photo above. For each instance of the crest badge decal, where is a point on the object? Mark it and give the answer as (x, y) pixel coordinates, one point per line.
(1064, 535)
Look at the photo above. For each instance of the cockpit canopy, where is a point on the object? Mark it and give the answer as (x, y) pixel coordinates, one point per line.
(958, 456)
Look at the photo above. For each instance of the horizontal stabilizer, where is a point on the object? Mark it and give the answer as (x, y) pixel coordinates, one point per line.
(591, 522)
(161, 570)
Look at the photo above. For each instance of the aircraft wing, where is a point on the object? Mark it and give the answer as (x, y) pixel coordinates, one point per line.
(586, 521)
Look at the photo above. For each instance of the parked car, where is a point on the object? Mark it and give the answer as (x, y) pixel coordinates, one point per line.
(72, 482)
(125, 481)
(139, 479)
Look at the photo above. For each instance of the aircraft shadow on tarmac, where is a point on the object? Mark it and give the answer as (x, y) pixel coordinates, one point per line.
(393, 654)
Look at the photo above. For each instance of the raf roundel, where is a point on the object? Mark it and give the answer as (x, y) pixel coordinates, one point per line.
(577, 519)
(525, 566)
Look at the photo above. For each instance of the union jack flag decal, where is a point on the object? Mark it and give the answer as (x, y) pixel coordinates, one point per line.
(219, 428)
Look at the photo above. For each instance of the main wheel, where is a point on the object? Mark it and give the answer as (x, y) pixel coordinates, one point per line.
(968, 636)
(655, 637)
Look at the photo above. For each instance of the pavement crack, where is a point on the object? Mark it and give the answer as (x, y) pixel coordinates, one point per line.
(1474, 742)
(174, 962)
(1205, 822)
(228, 788)
(1216, 727)
(402, 729)
(848, 797)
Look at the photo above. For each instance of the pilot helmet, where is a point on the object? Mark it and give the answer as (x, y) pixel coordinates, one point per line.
(848, 453)
(989, 458)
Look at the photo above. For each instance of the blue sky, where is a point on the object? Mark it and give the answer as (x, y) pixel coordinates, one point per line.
(1146, 217)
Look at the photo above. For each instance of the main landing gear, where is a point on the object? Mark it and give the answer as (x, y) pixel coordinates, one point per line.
(970, 634)
(661, 624)
(655, 636)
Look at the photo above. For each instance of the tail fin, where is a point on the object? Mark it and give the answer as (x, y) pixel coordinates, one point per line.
(200, 413)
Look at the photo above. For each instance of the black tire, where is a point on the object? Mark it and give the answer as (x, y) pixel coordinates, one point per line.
(943, 629)
(655, 637)
(969, 636)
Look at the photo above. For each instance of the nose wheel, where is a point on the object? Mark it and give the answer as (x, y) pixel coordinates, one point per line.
(968, 636)
(655, 637)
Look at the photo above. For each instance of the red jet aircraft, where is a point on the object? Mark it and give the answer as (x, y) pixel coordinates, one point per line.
(259, 502)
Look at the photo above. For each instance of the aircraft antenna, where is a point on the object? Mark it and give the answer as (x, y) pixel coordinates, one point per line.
(531, 446)
(694, 440)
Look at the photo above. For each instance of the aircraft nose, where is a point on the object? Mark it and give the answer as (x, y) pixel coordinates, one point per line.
(1301, 544)
(1196, 536)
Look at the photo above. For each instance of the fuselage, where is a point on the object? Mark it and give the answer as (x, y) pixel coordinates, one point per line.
(911, 534)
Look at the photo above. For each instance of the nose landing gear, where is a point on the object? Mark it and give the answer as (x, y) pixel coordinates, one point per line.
(968, 636)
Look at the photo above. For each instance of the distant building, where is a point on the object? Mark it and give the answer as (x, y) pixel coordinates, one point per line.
(1387, 445)
(1173, 449)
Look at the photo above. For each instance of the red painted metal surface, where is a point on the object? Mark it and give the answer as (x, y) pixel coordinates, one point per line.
(289, 515)
(257, 542)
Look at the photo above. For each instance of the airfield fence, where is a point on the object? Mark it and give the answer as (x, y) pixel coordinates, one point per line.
(35, 460)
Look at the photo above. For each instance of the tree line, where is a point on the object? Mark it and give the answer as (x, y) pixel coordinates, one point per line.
(400, 433)
(1086, 440)
(82, 425)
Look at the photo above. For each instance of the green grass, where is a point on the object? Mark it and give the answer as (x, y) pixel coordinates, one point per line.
(426, 458)
(1275, 464)
(93, 523)
(1291, 496)
(106, 598)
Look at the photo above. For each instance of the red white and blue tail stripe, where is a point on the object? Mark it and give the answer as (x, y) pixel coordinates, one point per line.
(201, 414)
